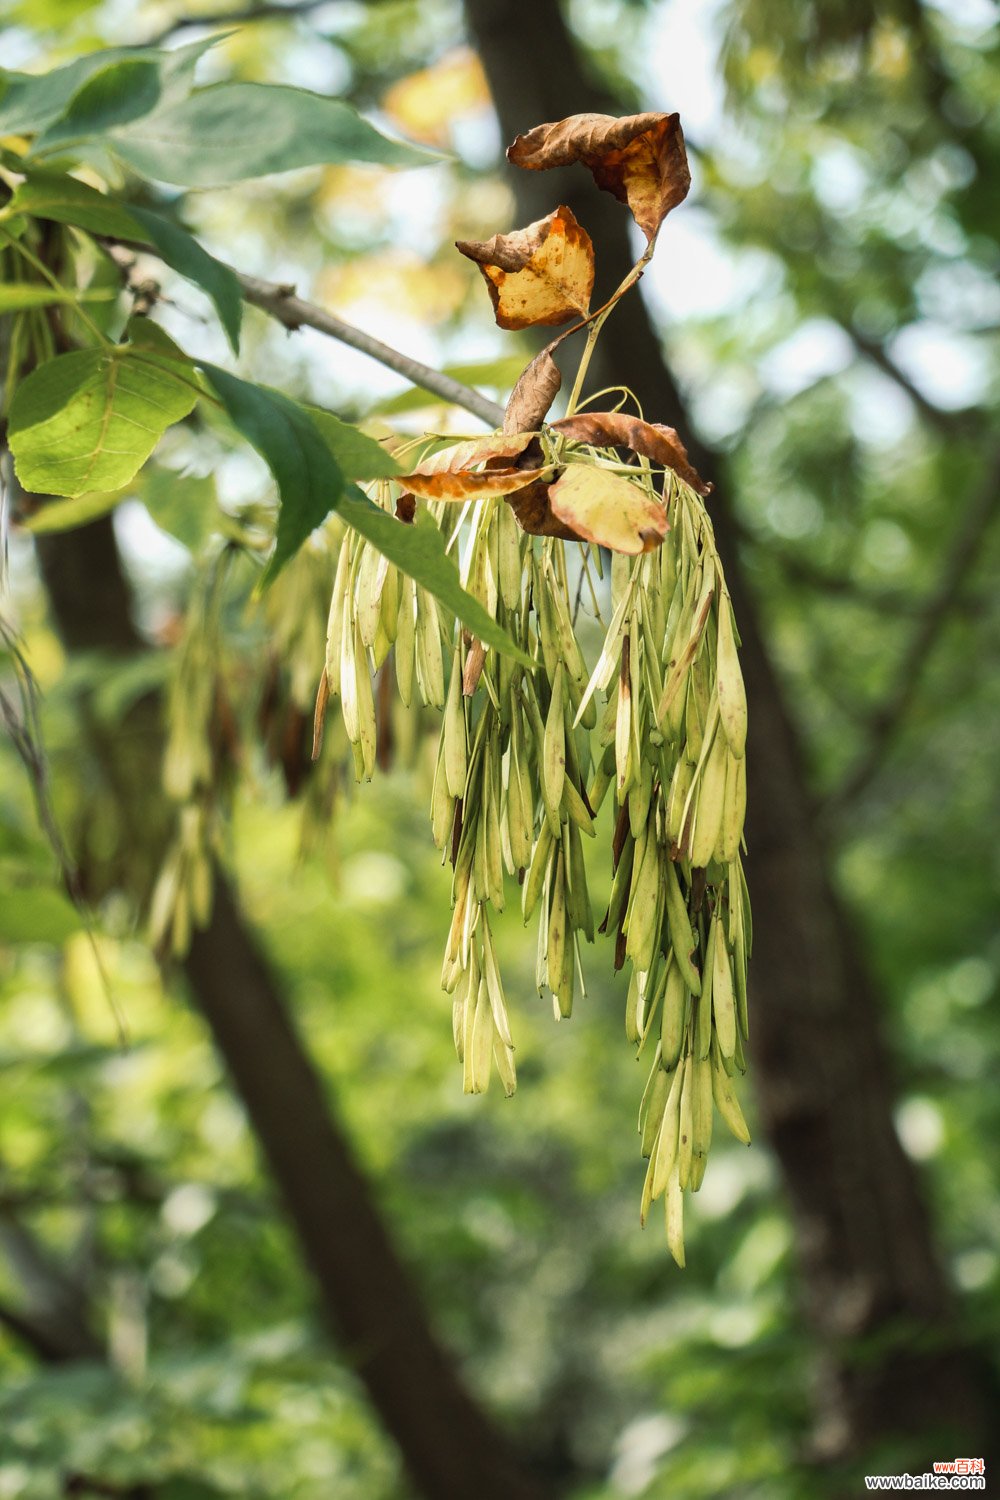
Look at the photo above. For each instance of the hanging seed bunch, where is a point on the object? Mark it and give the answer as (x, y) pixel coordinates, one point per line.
(201, 739)
(526, 757)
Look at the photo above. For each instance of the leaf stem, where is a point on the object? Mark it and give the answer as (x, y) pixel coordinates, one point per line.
(597, 321)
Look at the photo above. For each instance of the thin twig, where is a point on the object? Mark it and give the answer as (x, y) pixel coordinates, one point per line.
(280, 302)
(799, 568)
(944, 419)
(294, 312)
(961, 556)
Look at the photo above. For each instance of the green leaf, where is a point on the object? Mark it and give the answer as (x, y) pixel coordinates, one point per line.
(237, 130)
(184, 505)
(114, 95)
(90, 419)
(16, 296)
(309, 481)
(358, 455)
(52, 195)
(36, 913)
(311, 485)
(419, 550)
(183, 254)
(30, 102)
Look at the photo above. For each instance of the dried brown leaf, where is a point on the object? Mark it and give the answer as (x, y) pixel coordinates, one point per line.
(541, 274)
(468, 484)
(536, 389)
(534, 514)
(616, 429)
(453, 473)
(604, 508)
(639, 158)
(472, 451)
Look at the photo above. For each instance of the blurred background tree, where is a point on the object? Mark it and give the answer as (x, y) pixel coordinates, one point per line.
(822, 328)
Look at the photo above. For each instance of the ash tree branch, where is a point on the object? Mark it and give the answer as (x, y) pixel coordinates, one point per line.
(944, 421)
(938, 608)
(279, 301)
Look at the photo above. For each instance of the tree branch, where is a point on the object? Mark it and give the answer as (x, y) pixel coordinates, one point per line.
(55, 1316)
(281, 303)
(944, 420)
(959, 560)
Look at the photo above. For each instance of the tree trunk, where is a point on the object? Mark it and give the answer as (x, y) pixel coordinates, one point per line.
(449, 1445)
(870, 1273)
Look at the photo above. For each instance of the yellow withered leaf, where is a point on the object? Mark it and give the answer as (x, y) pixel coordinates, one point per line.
(541, 274)
(639, 158)
(602, 507)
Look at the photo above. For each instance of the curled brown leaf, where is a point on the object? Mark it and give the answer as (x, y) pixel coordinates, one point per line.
(495, 445)
(639, 158)
(454, 473)
(541, 274)
(536, 389)
(533, 513)
(468, 484)
(617, 429)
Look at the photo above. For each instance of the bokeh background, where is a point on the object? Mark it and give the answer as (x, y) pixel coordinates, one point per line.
(821, 323)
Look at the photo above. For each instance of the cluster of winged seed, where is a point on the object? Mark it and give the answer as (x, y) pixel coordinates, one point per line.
(525, 760)
(526, 757)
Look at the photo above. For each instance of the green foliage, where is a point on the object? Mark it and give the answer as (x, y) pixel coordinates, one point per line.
(519, 1220)
(89, 420)
(31, 103)
(66, 200)
(34, 912)
(237, 130)
(83, 424)
(309, 481)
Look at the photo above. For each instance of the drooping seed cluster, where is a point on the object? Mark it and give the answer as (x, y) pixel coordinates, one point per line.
(525, 760)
